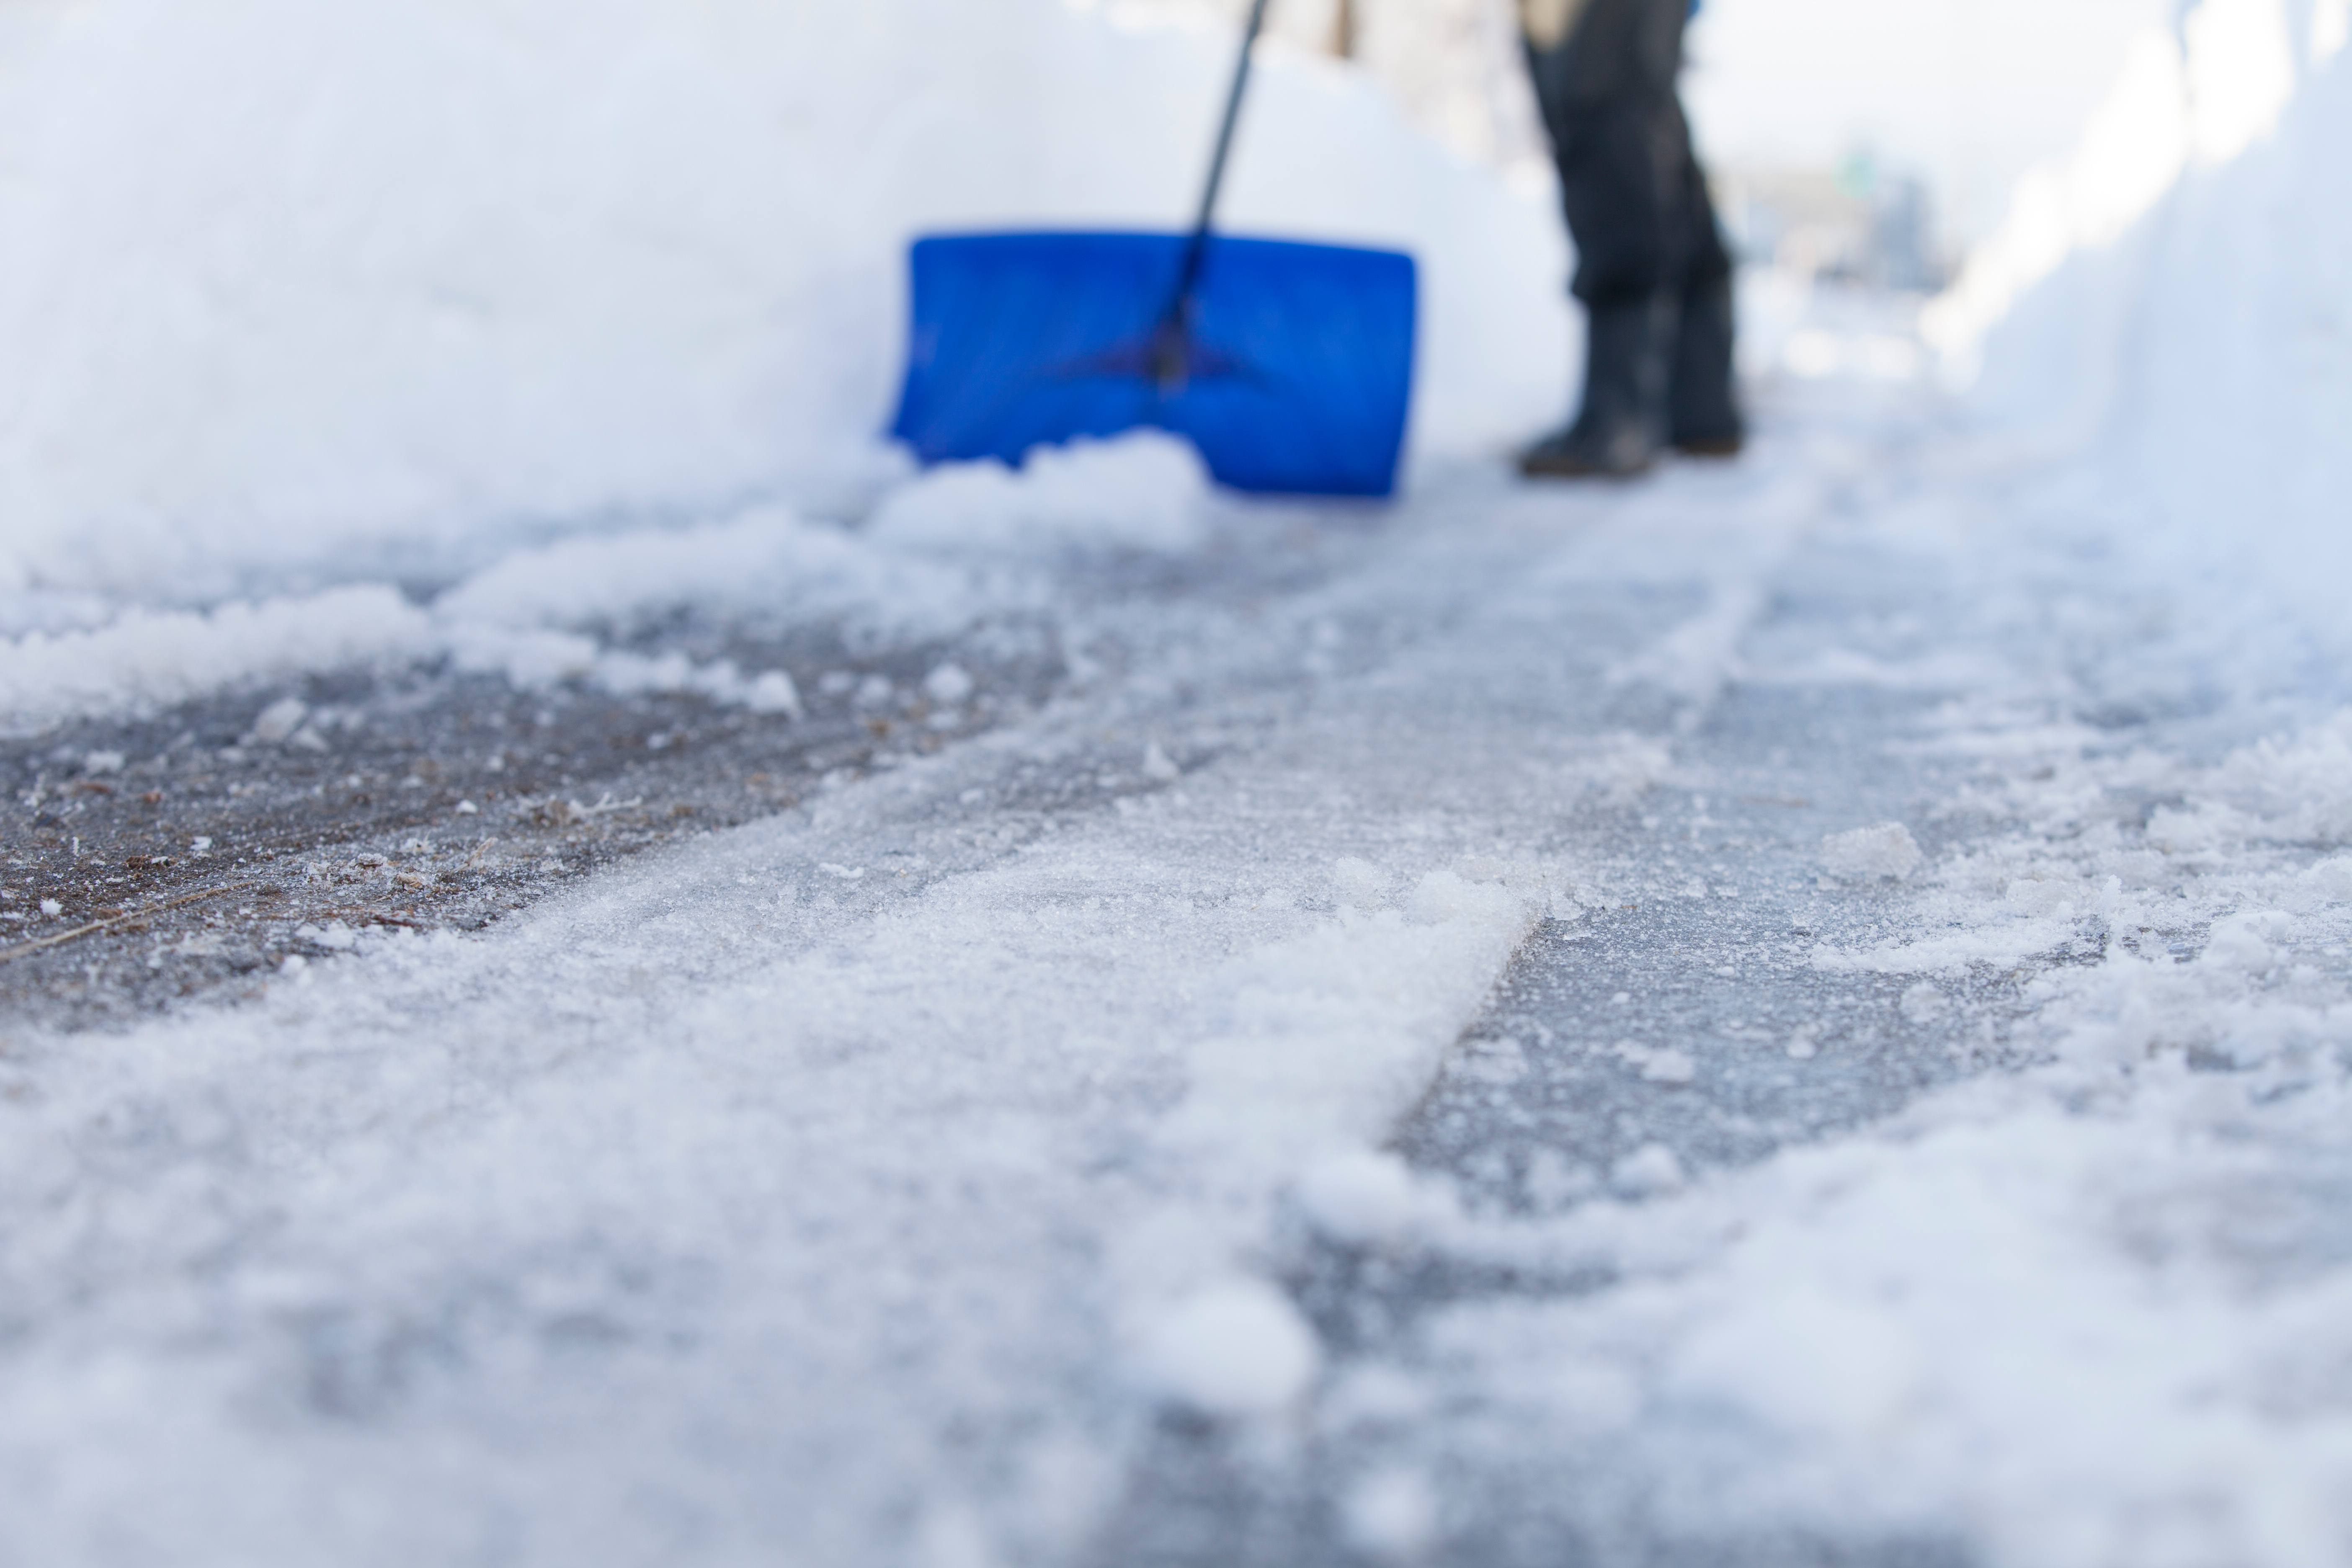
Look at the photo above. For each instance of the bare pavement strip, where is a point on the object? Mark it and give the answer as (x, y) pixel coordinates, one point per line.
(188, 852)
(1626, 688)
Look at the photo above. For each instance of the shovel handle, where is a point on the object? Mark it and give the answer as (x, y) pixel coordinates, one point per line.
(1170, 352)
(1250, 31)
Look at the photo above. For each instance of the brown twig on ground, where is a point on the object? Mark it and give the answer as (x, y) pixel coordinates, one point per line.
(127, 919)
(369, 917)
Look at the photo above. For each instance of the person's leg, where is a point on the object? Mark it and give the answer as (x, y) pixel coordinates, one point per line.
(1620, 426)
(1703, 405)
(1606, 93)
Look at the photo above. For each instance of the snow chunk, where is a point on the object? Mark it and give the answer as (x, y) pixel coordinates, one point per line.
(1144, 490)
(1924, 1004)
(2243, 943)
(949, 685)
(1659, 1064)
(1359, 884)
(2331, 879)
(1648, 1170)
(1444, 895)
(2294, 789)
(280, 720)
(1868, 853)
(1670, 1067)
(1361, 1200)
(1804, 1361)
(773, 692)
(336, 937)
(1237, 1348)
(1392, 1514)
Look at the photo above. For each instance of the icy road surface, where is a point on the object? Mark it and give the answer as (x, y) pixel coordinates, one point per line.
(1784, 1013)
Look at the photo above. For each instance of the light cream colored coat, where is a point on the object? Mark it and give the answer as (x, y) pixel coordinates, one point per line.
(1547, 23)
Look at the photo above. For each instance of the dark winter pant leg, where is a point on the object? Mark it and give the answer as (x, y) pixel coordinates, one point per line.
(1607, 94)
(1703, 412)
(1621, 177)
(1651, 266)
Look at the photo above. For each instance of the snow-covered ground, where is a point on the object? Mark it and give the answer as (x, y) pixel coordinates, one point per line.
(1793, 1011)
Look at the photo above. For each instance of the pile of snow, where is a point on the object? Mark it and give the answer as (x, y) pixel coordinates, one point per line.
(1236, 1348)
(536, 617)
(1145, 490)
(2191, 98)
(145, 660)
(941, 553)
(1868, 854)
(2175, 299)
(291, 289)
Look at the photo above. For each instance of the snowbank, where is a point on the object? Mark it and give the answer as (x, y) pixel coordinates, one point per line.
(536, 617)
(292, 289)
(940, 553)
(2174, 299)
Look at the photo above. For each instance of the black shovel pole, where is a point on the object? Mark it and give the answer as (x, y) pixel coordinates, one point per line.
(1170, 358)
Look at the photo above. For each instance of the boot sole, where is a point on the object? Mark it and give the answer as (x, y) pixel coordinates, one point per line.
(1576, 468)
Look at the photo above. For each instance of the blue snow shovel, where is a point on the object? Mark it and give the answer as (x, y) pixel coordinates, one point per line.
(1289, 365)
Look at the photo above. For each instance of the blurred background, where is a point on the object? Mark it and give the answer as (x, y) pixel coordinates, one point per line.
(1848, 138)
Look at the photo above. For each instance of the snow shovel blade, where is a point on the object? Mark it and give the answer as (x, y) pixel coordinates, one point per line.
(1296, 377)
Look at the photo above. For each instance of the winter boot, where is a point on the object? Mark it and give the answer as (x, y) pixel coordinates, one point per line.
(1703, 412)
(1622, 426)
